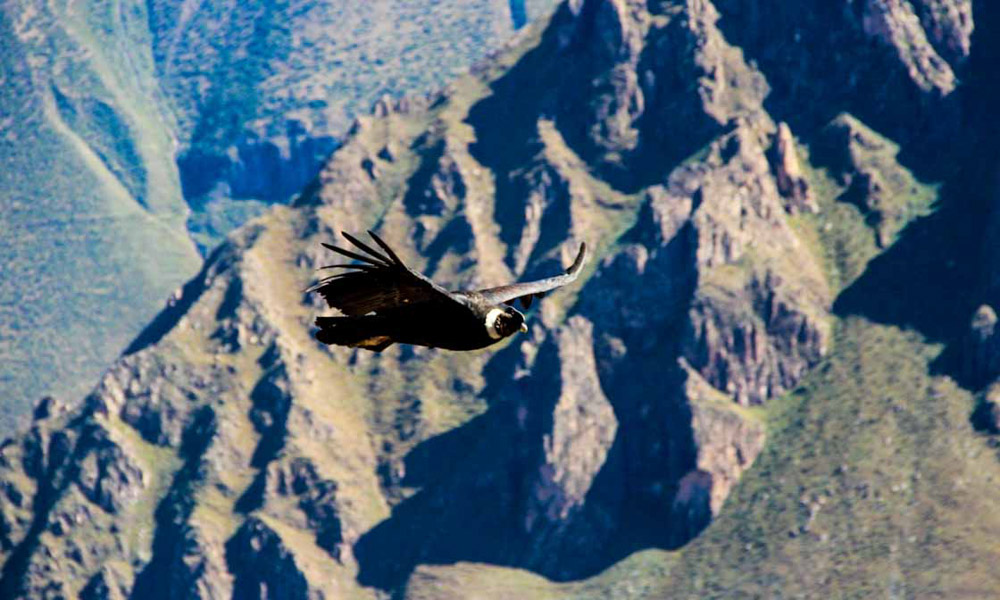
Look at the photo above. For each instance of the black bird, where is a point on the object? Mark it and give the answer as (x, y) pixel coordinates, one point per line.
(384, 302)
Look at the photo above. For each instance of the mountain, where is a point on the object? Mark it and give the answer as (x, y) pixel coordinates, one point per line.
(262, 94)
(130, 129)
(774, 379)
(92, 213)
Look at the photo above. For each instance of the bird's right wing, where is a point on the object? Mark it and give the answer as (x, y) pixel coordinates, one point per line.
(377, 283)
(527, 291)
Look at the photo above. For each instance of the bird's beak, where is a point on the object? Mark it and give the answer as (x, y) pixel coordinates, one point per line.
(524, 327)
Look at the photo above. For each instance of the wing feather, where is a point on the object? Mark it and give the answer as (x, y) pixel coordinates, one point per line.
(364, 247)
(354, 255)
(353, 266)
(385, 247)
(527, 291)
(380, 284)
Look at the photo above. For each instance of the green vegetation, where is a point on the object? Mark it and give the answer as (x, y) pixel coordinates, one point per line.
(93, 222)
(638, 576)
(870, 177)
(872, 483)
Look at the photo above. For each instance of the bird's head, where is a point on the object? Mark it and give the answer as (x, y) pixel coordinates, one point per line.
(501, 323)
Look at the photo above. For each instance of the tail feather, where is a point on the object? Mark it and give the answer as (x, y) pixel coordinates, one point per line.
(356, 332)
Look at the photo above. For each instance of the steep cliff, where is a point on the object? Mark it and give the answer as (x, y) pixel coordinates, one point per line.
(730, 360)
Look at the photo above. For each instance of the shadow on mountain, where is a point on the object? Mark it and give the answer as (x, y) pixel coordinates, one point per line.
(930, 279)
(166, 575)
(489, 491)
(271, 404)
(819, 64)
(553, 80)
(506, 125)
(478, 485)
(518, 14)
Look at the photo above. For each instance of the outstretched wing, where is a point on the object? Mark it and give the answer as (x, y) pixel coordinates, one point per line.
(528, 291)
(379, 282)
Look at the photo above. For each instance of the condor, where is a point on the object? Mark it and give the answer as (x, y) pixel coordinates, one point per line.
(383, 302)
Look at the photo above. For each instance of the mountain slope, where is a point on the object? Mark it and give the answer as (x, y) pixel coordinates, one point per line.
(90, 187)
(260, 95)
(128, 127)
(750, 392)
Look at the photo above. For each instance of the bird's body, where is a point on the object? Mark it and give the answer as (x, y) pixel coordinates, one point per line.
(383, 302)
(432, 324)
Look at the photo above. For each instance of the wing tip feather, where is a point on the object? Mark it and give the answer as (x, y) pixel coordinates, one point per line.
(385, 247)
(366, 248)
(581, 258)
(354, 255)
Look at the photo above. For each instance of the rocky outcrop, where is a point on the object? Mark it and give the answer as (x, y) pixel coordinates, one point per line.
(862, 58)
(895, 24)
(583, 427)
(728, 441)
(982, 347)
(788, 174)
(108, 477)
(152, 396)
(69, 484)
(262, 565)
(948, 24)
(315, 497)
(758, 316)
(866, 165)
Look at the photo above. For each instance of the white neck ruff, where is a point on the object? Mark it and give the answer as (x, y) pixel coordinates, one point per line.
(491, 321)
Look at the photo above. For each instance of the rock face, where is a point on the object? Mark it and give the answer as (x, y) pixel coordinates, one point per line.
(788, 173)
(583, 429)
(228, 453)
(727, 442)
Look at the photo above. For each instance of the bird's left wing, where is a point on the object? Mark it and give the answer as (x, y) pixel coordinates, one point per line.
(379, 282)
(529, 290)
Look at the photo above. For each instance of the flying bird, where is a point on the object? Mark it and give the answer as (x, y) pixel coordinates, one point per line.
(384, 302)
